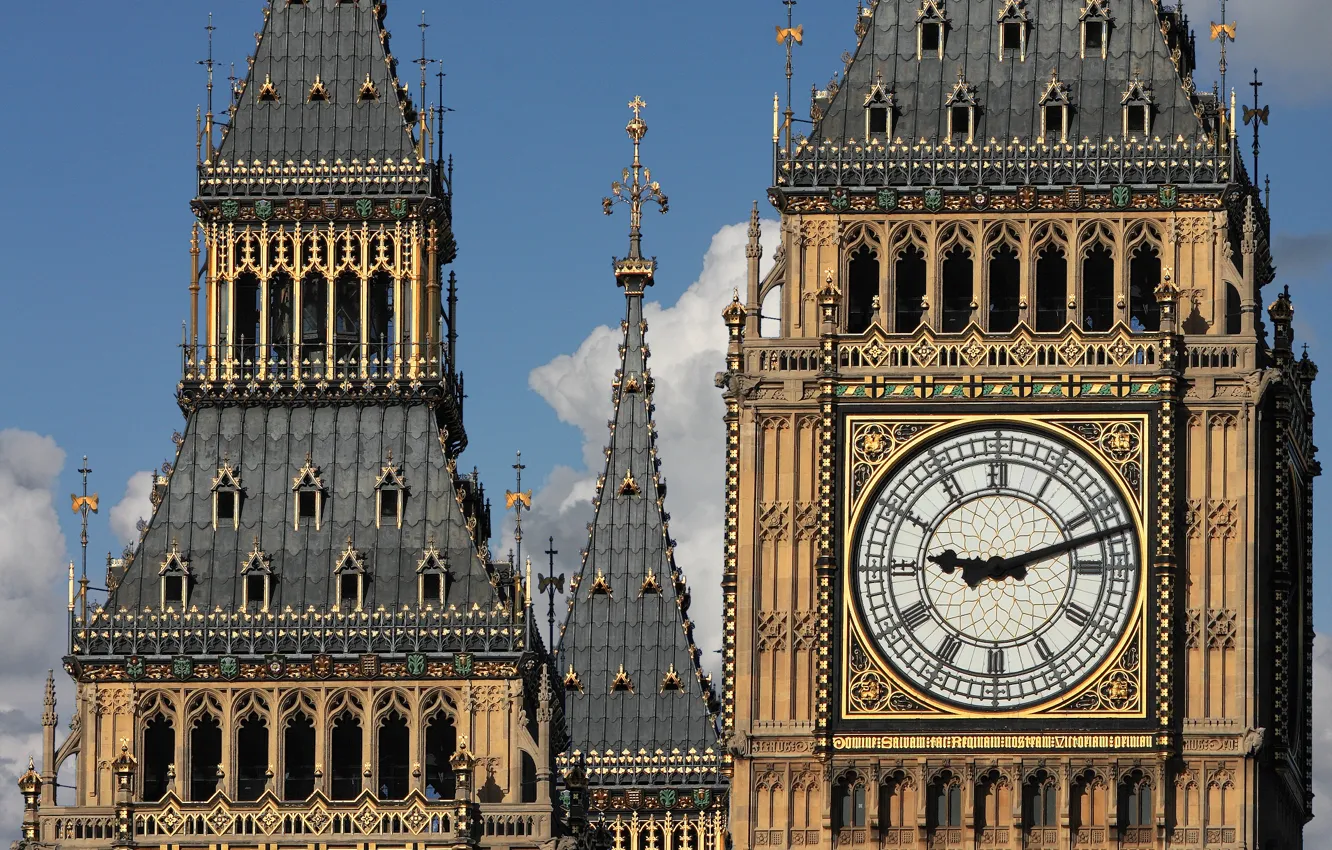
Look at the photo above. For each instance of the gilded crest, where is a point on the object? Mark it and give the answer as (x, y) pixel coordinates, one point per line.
(134, 667)
(370, 666)
(1074, 197)
(263, 210)
(934, 199)
(416, 665)
(228, 666)
(980, 197)
(276, 665)
(463, 663)
(323, 666)
(1121, 196)
(398, 208)
(1169, 196)
(667, 799)
(365, 208)
(839, 199)
(1027, 197)
(182, 667)
(886, 199)
(230, 209)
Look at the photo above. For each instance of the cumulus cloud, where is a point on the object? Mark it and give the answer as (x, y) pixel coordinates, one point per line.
(32, 609)
(688, 343)
(1322, 770)
(132, 507)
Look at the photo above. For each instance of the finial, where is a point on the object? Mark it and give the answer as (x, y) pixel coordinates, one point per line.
(1224, 32)
(789, 35)
(636, 185)
(1256, 117)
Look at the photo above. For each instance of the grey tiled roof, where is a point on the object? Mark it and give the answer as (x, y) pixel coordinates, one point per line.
(267, 446)
(646, 632)
(340, 44)
(1009, 91)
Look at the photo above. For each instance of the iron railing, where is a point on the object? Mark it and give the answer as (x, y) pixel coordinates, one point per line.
(933, 164)
(124, 633)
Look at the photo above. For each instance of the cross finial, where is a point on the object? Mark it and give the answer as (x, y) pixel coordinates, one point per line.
(636, 186)
(1256, 116)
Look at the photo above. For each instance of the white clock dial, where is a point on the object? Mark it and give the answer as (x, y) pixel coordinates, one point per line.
(997, 568)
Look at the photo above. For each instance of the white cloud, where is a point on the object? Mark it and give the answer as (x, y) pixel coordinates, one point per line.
(32, 609)
(132, 507)
(688, 344)
(1322, 718)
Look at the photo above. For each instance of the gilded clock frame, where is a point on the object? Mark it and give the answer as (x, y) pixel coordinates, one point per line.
(874, 443)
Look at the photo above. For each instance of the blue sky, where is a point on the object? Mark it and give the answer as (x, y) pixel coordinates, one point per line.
(98, 147)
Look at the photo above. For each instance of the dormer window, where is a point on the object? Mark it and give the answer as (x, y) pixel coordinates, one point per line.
(268, 91)
(319, 91)
(622, 683)
(350, 573)
(879, 105)
(369, 91)
(390, 491)
(1013, 25)
(1055, 108)
(226, 497)
(309, 489)
(931, 25)
(257, 573)
(1096, 20)
(962, 107)
(1137, 102)
(671, 681)
(433, 578)
(175, 579)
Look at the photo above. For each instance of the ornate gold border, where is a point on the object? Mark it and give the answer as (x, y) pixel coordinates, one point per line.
(1117, 442)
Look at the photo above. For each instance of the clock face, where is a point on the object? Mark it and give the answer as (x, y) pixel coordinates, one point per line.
(997, 568)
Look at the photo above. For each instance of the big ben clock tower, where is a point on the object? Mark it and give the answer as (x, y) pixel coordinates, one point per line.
(1019, 476)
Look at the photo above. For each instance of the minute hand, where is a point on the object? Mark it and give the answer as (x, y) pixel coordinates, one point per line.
(1047, 552)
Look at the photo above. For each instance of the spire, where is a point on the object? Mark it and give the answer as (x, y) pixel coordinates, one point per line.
(321, 92)
(631, 670)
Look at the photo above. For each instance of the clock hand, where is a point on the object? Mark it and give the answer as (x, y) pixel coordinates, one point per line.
(1011, 566)
(974, 570)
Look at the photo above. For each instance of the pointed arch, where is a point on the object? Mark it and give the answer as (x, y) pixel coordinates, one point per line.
(1098, 278)
(909, 278)
(1003, 274)
(957, 279)
(862, 249)
(1050, 250)
(1144, 252)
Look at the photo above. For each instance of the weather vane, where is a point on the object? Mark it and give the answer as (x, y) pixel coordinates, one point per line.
(550, 584)
(1256, 117)
(1225, 32)
(636, 186)
(84, 505)
(518, 501)
(790, 35)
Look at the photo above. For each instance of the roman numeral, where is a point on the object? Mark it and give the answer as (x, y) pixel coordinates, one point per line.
(1079, 520)
(1043, 650)
(949, 649)
(994, 662)
(1079, 615)
(903, 569)
(998, 474)
(1089, 568)
(916, 615)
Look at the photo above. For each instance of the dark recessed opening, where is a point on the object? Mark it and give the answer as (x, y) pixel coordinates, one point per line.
(1012, 35)
(205, 757)
(307, 504)
(349, 589)
(159, 753)
(394, 779)
(1054, 119)
(256, 586)
(931, 36)
(959, 121)
(1005, 289)
(1137, 119)
(1098, 289)
(1144, 277)
(1095, 35)
(957, 290)
(251, 758)
(346, 745)
(388, 503)
(864, 288)
(441, 742)
(878, 119)
(432, 588)
(226, 505)
(173, 589)
(1051, 290)
(299, 758)
(910, 273)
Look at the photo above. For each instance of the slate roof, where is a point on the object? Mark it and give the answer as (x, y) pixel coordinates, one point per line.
(267, 446)
(340, 44)
(1009, 90)
(643, 633)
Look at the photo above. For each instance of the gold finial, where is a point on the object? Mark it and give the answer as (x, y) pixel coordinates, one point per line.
(636, 185)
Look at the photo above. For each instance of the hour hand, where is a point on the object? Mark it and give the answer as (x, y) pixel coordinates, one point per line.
(974, 570)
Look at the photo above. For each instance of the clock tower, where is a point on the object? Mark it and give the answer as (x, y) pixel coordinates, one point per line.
(1019, 476)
